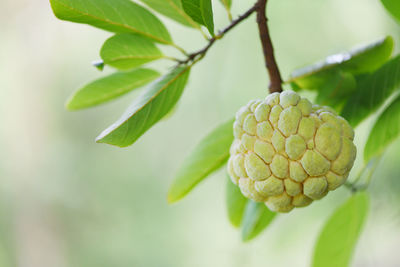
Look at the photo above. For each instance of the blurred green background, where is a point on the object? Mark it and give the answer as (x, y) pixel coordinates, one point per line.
(66, 201)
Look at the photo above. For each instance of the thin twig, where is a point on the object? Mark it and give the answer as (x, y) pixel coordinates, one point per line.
(202, 52)
(268, 49)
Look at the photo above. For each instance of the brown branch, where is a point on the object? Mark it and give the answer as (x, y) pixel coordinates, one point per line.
(201, 53)
(270, 62)
(268, 49)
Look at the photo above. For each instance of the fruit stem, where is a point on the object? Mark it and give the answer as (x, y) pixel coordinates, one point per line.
(268, 49)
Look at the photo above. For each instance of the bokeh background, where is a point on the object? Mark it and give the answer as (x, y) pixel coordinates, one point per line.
(66, 201)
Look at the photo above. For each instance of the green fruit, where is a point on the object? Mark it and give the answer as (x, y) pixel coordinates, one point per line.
(288, 152)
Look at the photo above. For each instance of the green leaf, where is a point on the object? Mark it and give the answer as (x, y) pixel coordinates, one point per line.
(201, 12)
(155, 102)
(110, 87)
(121, 16)
(235, 203)
(385, 130)
(256, 218)
(336, 89)
(172, 9)
(339, 236)
(127, 51)
(393, 6)
(372, 91)
(210, 154)
(98, 64)
(356, 61)
(227, 4)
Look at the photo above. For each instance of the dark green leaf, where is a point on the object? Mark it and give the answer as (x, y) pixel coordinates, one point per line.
(122, 16)
(385, 130)
(372, 91)
(201, 12)
(156, 101)
(110, 87)
(339, 236)
(172, 9)
(357, 61)
(393, 6)
(127, 51)
(210, 154)
(336, 89)
(235, 203)
(256, 218)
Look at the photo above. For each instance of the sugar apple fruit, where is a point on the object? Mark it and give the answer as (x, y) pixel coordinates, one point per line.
(288, 152)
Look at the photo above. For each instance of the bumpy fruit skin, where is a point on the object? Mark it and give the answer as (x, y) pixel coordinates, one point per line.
(288, 152)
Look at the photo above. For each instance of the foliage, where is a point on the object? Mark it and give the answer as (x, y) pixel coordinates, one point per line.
(110, 87)
(235, 203)
(155, 102)
(210, 154)
(121, 16)
(358, 84)
(256, 218)
(335, 77)
(172, 9)
(385, 130)
(128, 51)
(201, 12)
(393, 6)
(337, 240)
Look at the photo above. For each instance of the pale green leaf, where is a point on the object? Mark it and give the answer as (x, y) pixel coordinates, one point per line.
(393, 6)
(201, 12)
(338, 239)
(127, 51)
(361, 60)
(227, 4)
(172, 9)
(110, 87)
(235, 203)
(385, 130)
(372, 91)
(155, 102)
(121, 16)
(210, 154)
(256, 218)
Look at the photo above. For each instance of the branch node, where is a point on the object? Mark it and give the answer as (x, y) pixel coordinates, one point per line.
(270, 62)
(191, 58)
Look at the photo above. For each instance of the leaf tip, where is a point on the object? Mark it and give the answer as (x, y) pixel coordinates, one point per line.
(173, 197)
(235, 225)
(103, 139)
(246, 238)
(171, 200)
(100, 139)
(98, 64)
(70, 105)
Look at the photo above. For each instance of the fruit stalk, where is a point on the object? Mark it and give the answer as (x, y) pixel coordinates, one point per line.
(268, 49)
